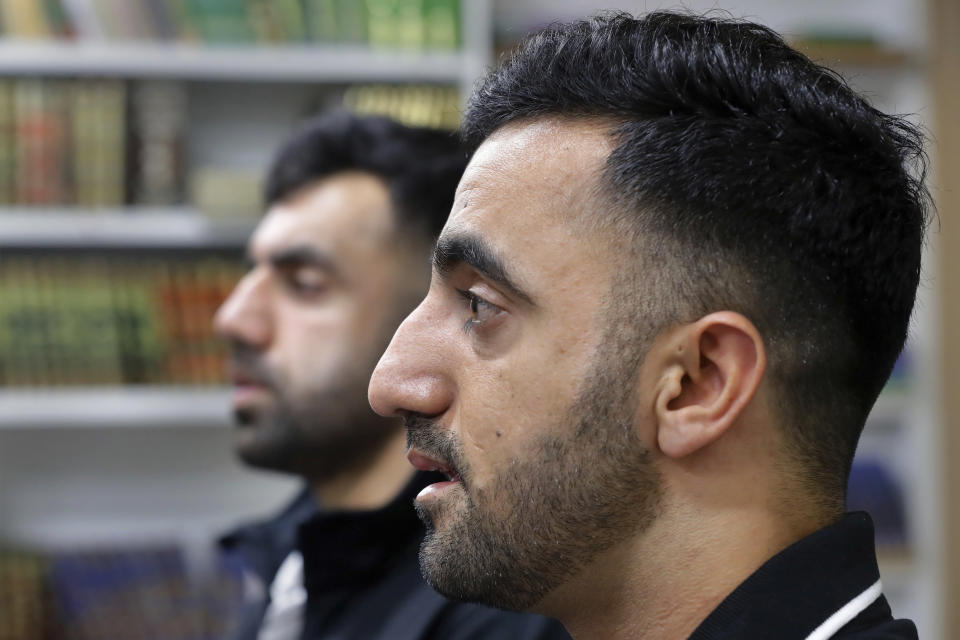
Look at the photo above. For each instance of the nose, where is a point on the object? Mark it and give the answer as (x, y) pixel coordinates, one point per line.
(413, 373)
(245, 315)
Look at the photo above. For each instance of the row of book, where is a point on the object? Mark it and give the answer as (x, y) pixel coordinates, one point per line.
(406, 24)
(437, 107)
(100, 320)
(138, 593)
(234, 193)
(70, 142)
(108, 143)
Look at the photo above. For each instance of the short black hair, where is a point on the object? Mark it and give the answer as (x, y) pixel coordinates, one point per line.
(420, 166)
(765, 185)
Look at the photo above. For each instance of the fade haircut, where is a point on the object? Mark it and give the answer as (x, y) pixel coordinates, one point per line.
(752, 180)
(421, 167)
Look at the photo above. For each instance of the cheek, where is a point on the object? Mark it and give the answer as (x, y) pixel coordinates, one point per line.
(505, 411)
(312, 345)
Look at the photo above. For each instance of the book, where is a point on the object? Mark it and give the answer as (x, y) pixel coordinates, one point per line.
(441, 24)
(99, 142)
(415, 105)
(351, 22)
(159, 111)
(26, 609)
(320, 18)
(126, 593)
(395, 24)
(84, 20)
(41, 130)
(24, 19)
(91, 319)
(7, 142)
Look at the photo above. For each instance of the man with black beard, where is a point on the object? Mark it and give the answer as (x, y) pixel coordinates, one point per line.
(677, 273)
(353, 204)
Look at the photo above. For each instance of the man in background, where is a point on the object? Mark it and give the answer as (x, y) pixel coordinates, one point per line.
(677, 273)
(353, 204)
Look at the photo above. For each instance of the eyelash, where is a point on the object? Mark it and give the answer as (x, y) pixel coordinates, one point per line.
(476, 305)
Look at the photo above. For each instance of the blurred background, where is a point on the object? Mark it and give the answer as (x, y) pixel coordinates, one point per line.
(133, 135)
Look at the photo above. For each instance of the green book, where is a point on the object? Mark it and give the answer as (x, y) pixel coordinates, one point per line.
(409, 15)
(222, 21)
(321, 20)
(57, 19)
(351, 21)
(7, 123)
(290, 17)
(266, 28)
(183, 19)
(441, 20)
(382, 24)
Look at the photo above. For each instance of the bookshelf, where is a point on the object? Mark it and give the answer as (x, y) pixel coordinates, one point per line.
(103, 464)
(232, 102)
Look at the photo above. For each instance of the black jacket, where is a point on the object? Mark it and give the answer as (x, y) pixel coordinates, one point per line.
(827, 585)
(362, 577)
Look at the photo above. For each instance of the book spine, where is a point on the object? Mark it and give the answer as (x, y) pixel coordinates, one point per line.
(351, 21)
(160, 115)
(410, 27)
(82, 14)
(7, 144)
(320, 17)
(441, 20)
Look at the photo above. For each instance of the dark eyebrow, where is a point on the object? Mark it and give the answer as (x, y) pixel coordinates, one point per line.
(455, 249)
(302, 255)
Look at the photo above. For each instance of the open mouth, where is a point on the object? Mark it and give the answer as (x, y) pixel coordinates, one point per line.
(241, 378)
(426, 463)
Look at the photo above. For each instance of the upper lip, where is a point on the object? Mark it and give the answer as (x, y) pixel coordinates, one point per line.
(239, 377)
(424, 462)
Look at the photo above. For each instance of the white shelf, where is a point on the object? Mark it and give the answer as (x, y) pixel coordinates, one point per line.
(114, 407)
(166, 406)
(124, 228)
(347, 64)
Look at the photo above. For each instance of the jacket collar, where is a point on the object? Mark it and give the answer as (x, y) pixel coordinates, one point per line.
(344, 548)
(803, 586)
(339, 548)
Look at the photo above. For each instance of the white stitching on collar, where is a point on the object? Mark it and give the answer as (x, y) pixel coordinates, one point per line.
(847, 612)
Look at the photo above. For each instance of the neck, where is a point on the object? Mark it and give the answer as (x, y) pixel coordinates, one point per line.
(370, 485)
(663, 584)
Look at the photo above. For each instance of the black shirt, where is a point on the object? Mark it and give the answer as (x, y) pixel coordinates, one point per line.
(362, 577)
(826, 585)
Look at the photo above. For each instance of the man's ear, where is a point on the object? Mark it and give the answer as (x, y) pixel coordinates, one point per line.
(709, 371)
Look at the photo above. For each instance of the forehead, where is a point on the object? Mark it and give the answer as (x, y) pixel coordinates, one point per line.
(528, 184)
(544, 165)
(342, 212)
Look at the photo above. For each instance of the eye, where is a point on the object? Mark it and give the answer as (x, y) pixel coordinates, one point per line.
(480, 310)
(305, 280)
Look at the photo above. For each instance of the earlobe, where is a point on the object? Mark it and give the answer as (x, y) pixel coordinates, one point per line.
(710, 370)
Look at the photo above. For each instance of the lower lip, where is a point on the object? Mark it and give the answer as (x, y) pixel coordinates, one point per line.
(249, 394)
(435, 489)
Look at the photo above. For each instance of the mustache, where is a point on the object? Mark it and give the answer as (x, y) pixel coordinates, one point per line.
(428, 437)
(247, 362)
